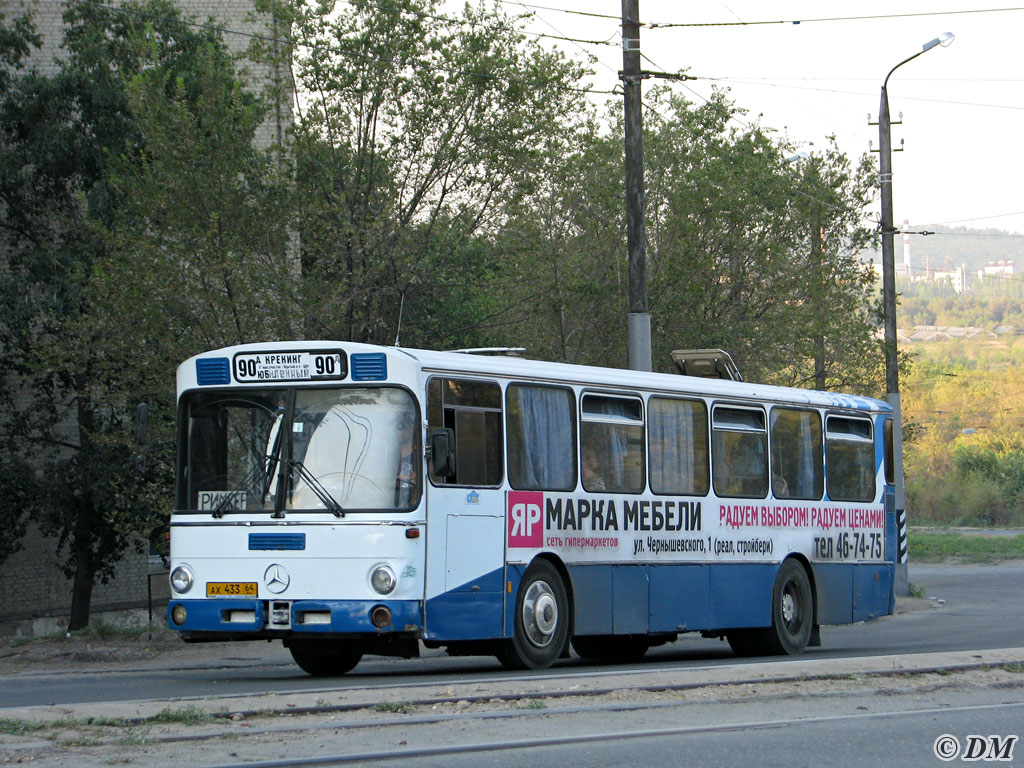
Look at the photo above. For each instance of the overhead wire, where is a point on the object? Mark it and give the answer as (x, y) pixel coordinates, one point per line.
(466, 22)
(346, 54)
(579, 42)
(812, 20)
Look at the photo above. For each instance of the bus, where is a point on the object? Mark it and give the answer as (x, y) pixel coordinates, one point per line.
(351, 499)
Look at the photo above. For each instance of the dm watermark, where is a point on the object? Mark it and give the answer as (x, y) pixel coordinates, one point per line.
(975, 748)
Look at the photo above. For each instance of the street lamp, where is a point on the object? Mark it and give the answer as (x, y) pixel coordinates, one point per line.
(892, 385)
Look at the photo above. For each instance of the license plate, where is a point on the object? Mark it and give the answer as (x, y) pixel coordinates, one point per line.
(232, 588)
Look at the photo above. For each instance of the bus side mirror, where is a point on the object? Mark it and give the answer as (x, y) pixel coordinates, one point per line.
(442, 452)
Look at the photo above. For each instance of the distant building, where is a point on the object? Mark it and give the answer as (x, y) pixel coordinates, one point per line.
(922, 334)
(959, 278)
(1000, 269)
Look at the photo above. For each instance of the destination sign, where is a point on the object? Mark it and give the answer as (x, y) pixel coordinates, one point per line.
(319, 365)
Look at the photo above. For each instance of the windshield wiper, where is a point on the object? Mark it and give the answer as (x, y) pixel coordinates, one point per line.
(318, 490)
(250, 478)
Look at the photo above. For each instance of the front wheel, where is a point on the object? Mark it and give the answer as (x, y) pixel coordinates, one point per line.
(542, 620)
(325, 659)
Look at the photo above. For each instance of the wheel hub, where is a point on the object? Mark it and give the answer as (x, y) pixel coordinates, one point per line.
(788, 608)
(540, 613)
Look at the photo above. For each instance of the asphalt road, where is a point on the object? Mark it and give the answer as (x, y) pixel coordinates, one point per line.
(977, 607)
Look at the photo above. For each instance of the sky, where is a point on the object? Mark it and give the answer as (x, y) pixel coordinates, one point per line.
(962, 105)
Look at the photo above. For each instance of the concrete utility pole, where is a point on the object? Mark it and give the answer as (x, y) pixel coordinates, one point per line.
(631, 76)
(892, 384)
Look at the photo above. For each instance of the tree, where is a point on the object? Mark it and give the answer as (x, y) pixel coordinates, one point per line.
(745, 251)
(834, 344)
(102, 237)
(16, 41)
(418, 133)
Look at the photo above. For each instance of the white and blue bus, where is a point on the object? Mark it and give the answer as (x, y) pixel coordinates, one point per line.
(351, 499)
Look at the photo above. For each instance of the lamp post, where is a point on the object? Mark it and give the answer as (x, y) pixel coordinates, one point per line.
(892, 385)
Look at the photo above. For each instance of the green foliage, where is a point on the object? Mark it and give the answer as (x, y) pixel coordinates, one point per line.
(421, 132)
(933, 547)
(97, 236)
(965, 453)
(745, 251)
(393, 707)
(989, 304)
(190, 715)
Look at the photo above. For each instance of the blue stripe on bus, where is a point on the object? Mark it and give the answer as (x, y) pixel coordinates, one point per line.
(613, 599)
(607, 599)
(346, 616)
(470, 611)
(637, 599)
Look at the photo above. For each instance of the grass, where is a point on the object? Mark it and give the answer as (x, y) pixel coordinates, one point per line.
(933, 547)
(186, 716)
(12, 727)
(135, 732)
(101, 630)
(393, 707)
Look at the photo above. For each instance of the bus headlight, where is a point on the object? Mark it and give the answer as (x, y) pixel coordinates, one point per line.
(383, 579)
(182, 579)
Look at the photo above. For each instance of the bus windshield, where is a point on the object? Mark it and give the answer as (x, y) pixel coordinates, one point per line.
(277, 450)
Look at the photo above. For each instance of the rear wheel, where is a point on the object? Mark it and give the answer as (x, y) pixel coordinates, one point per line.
(325, 659)
(792, 611)
(542, 620)
(792, 617)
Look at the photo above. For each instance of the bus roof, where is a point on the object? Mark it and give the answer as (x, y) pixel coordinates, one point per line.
(548, 372)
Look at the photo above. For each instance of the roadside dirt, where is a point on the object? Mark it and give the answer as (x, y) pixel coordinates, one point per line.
(156, 647)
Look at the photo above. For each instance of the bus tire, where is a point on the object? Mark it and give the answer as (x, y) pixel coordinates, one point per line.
(611, 647)
(792, 611)
(541, 620)
(325, 659)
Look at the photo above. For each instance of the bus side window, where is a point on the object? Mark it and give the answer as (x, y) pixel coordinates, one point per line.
(472, 410)
(678, 435)
(541, 437)
(797, 471)
(739, 443)
(612, 444)
(849, 459)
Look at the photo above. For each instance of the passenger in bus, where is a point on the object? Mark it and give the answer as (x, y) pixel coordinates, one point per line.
(405, 479)
(589, 466)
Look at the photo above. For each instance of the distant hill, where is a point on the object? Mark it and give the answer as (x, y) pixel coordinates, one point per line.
(959, 245)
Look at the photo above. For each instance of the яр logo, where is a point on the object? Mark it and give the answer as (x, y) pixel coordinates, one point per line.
(525, 519)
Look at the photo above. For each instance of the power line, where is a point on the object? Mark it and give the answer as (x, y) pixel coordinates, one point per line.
(466, 22)
(561, 10)
(346, 54)
(979, 218)
(874, 17)
(767, 82)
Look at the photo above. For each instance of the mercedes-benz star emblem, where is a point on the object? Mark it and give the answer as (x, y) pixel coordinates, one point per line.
(276, 578)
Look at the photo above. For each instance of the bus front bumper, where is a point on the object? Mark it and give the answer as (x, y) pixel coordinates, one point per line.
(235, 618)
